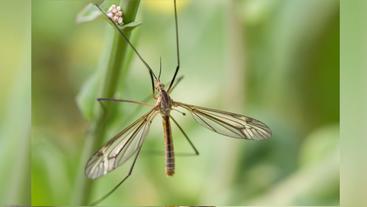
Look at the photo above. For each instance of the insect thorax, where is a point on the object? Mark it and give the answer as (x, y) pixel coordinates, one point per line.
(165, 103)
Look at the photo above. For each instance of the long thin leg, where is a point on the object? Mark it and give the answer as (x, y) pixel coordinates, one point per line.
(138, 108)
(185, 135)
(123, 100)
(177, 47)
(125, 37)
(179, 79)
(162, 153)
(118, 185)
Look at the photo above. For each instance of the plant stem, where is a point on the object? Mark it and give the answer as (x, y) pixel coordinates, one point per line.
(117, 59)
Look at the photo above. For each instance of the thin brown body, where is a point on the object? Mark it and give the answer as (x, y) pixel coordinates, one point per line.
(164, 104)
(170, 154)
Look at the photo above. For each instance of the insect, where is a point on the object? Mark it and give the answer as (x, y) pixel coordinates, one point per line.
(128, 143)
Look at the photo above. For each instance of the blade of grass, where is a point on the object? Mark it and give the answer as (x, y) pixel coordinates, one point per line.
(117, 58)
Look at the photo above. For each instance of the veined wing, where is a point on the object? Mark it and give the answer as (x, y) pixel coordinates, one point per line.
(227, 123)
(120, 148)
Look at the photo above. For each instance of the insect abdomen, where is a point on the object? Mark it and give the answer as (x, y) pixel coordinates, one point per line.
(170, 155)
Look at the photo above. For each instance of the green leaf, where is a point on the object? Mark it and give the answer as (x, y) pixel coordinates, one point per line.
(88, 13)
(130, 25)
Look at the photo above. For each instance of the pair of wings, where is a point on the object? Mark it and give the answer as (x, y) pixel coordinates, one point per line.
(130, 140)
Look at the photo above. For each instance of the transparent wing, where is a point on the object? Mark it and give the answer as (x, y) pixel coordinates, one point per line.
(120, 148)
(227, 123)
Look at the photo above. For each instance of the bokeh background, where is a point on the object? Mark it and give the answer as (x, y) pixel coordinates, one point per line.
(277, 61)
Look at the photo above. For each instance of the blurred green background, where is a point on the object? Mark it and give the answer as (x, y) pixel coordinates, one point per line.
(15, 103)
(277, 61)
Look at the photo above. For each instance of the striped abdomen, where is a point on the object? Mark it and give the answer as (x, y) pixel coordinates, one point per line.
(170, 155)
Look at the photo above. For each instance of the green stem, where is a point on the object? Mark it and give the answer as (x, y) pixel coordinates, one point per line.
(117, 59)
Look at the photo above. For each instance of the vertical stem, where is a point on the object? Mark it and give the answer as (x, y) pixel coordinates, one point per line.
(118, 57)
(15, 125)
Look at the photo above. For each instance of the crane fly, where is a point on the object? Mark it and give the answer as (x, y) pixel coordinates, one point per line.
(128, 143)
